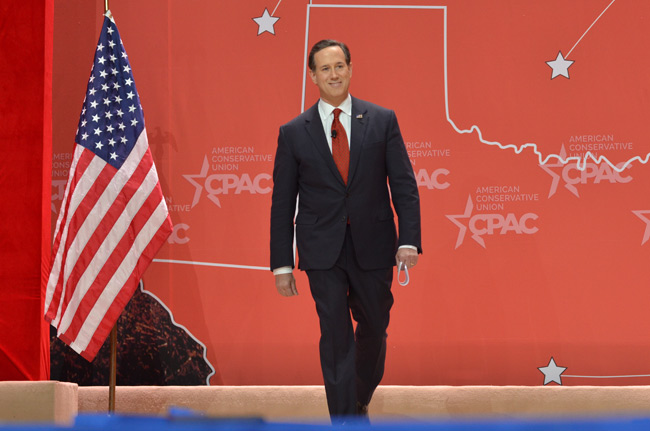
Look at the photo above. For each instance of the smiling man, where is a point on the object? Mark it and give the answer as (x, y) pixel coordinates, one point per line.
(339, 158)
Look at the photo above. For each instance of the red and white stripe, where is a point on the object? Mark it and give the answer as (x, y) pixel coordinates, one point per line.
(111, 224)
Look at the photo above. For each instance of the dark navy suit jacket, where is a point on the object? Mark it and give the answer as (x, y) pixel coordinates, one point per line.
(304, 167)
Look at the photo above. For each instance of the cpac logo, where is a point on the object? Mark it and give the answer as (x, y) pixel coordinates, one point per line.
(432, 181)
(176, 237)
(592, 173)
(491, 224)
(223, 184)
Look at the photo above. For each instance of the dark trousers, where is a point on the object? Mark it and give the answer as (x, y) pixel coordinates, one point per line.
(352, 361)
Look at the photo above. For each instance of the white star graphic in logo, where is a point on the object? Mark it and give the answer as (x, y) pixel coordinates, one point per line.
(265, 22)
(199, 186)
(641, 214)
(556, 178)
(560, 66)
(552, 372)
(462, 228)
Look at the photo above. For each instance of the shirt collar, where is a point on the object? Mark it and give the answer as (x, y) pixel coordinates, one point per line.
(325, 109)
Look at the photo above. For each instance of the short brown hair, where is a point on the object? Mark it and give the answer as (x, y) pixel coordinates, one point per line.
(326, 43)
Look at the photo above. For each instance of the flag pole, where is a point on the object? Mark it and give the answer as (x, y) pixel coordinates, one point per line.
(112, 367)
(113, 359)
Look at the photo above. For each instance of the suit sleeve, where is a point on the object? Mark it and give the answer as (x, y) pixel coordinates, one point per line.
(283, 203)
(403, 187)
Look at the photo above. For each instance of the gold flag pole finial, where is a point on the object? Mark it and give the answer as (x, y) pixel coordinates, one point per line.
(105, 6)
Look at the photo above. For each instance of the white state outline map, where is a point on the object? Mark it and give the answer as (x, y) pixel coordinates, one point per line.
(581, 161)
(552, 372)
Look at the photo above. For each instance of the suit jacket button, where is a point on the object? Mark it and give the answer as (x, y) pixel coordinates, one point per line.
(344, 218)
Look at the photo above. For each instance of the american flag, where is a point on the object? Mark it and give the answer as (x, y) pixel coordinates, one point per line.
(113, 218)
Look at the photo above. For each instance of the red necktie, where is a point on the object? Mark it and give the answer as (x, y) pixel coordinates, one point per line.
(340, 147)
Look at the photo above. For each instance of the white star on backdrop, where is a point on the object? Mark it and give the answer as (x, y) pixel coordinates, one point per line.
(556, 176)
(265, 22)
(560, 66)
(198, 185)
(462, 228)
(552, 372)
(642, 215)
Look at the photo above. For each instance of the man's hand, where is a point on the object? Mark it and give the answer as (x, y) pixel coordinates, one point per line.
(407, 256)
(286, 284)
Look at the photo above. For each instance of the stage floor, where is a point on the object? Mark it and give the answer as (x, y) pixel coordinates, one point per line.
(389, 402)
(56, 405)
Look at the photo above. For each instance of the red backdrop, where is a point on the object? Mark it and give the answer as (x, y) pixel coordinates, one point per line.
(521, 262)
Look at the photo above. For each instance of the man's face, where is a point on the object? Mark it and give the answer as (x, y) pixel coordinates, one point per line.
(332, 75)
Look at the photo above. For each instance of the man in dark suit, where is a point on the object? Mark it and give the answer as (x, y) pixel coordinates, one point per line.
(345, 232)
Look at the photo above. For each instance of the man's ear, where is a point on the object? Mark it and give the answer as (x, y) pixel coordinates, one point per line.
(350, 67)
(312, 74)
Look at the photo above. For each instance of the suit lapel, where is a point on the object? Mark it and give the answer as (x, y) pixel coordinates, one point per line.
(314, 127)
(358, 125)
